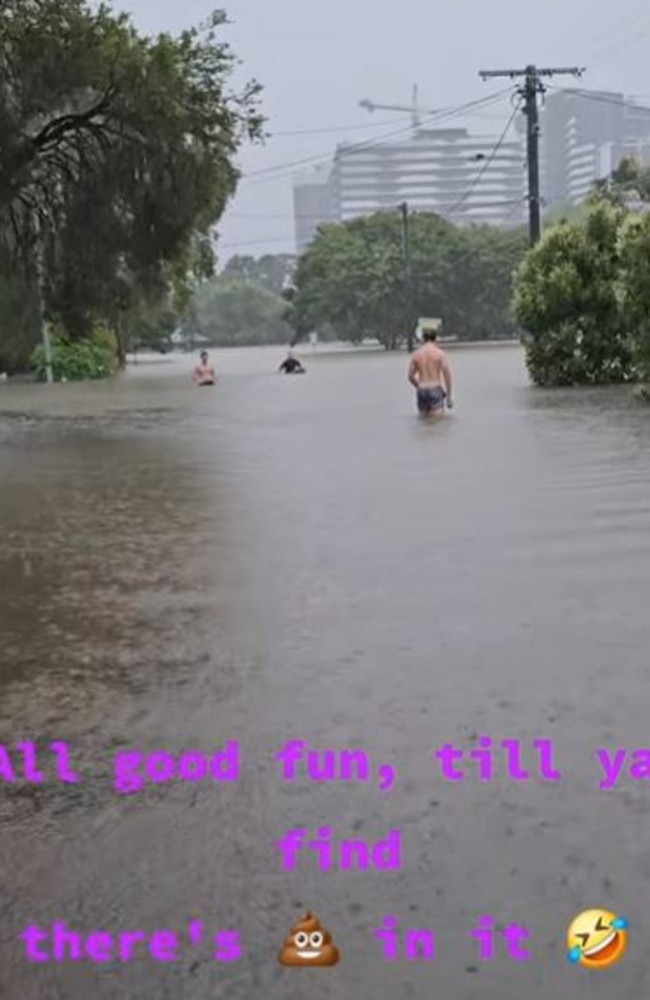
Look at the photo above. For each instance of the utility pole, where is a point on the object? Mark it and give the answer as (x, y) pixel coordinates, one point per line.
(531, 87)
(404, 211)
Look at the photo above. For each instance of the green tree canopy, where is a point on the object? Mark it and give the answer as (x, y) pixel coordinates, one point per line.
(117, 149)
(634, 249)
(232, 312)
(271, 271)
(353, 279)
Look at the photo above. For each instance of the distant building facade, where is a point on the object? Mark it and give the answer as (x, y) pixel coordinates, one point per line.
(446, 171)
(313, 204)
(584, 137)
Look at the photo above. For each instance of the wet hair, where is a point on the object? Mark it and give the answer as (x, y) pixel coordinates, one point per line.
(204, 354)
(429, 336)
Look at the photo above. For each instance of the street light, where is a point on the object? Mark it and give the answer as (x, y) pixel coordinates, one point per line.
(404, 211)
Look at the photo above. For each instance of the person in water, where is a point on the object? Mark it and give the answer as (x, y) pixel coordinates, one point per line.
(430, 376)
(204, 371)
(291, 365)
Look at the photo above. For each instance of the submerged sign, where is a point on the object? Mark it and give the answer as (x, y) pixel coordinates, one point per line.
(428, 325)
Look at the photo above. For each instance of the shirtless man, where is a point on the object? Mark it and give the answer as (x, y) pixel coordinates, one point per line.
(430, 376)
(204, 372)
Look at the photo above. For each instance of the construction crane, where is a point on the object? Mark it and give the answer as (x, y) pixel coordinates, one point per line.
(414, 108)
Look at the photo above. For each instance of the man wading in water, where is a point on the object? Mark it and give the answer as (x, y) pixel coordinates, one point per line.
(204, 371)
(430, 376)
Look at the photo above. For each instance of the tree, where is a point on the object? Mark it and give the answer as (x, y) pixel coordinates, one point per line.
(234, 313)
(634, 249)
(628, 183)
(353, 278)
(148, 324)
(270, 272)
(566, 299)
(478, 289)
(118, 151)
(19, 320)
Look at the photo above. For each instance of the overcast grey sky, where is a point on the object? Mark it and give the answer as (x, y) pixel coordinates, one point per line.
(317, 61)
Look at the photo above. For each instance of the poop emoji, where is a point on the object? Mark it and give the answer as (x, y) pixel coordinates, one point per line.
(308, 944)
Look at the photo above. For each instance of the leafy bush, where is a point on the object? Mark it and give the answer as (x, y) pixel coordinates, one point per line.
(642, 359)
(76, 360)
(566, 357)
(634, 289)
(567, 298)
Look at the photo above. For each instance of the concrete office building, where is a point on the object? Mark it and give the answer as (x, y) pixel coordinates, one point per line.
(447, 171)
(313, 204)
(584, 136)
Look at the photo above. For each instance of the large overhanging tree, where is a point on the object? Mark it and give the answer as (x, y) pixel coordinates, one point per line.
(116, 151)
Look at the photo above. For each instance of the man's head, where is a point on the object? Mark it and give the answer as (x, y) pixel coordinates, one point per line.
(429, 336)
(204, 356)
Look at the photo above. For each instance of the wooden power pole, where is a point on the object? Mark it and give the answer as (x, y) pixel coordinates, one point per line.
(532, 86)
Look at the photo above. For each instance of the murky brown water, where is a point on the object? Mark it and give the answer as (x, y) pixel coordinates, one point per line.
(301, 558)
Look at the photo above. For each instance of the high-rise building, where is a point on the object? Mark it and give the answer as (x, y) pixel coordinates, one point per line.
(474, 179)
(584, 137)
(313, 204)
(463, 178)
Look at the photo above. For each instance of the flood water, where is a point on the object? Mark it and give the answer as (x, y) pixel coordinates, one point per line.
(301, 558)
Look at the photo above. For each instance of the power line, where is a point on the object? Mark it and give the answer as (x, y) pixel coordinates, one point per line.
(433, 116)
(318, 217)
(635, 19)
(515, 202)
(255, 243)
(600, 38)
(590, 95)
(529, 91)
(616, 47)
(276, 215)
(640, 9)
(366, 127)
(515, 207)
(448, 213)
(369, 143)
(336, 128)
(488, 161)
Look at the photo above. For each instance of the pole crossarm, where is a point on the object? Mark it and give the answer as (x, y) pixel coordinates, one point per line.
(491, 74)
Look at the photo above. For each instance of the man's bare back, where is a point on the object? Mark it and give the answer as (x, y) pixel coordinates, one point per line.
(430, 376)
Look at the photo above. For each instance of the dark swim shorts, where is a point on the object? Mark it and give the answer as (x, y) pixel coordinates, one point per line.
(430, 399)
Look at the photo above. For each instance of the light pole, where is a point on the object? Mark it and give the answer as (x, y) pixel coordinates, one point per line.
(404, 211)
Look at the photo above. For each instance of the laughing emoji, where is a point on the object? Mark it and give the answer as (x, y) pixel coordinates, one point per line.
(308, 945)
(596, 939)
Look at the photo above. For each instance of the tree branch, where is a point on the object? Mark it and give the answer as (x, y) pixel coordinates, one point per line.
(59, 127)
